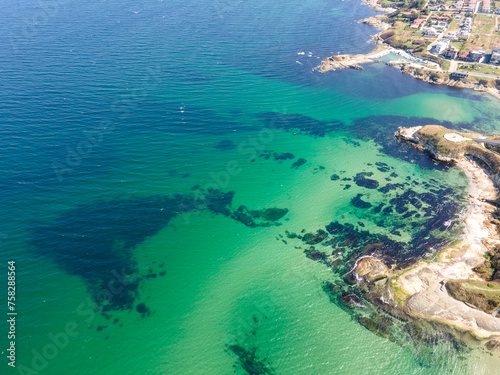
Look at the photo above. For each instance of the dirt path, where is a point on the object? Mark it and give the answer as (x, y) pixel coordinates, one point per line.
(453, 66)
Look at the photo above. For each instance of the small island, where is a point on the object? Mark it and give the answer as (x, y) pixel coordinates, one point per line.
(453, 43)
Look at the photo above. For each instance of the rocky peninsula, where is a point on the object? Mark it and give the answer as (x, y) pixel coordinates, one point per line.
(456, 288)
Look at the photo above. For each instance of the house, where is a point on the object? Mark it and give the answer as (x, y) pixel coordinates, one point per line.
(464, 56)
(476, 56)
(463, 34)
(440, 47)
(459, 74)
(417, 23)
(431, 32)
(486, 6)
(441, 25)
(451, 53)
(452, 35)
(495, 56)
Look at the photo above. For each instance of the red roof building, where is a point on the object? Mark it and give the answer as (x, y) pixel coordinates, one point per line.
(463, 56)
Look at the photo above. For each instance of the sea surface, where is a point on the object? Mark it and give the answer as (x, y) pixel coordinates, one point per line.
(161, 163)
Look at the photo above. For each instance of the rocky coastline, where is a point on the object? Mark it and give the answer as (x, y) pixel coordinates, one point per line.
(427, 290)
(433, 76)
(440, 78)
(453, 296)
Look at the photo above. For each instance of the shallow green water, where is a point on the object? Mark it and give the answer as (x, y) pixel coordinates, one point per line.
(178, 105)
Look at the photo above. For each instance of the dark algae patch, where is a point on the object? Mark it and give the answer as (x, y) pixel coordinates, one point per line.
(250, 362)
(361, 179)
(267, 154)
(298, 163)
(96, 242)
(314, 238)
(256, 218)
(360, 203)
(299, 123)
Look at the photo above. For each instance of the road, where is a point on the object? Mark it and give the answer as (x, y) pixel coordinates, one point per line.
(491, 142)
(481, 75)
(453, 66)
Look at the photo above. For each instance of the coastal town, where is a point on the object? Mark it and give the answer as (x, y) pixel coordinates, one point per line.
(454, 42)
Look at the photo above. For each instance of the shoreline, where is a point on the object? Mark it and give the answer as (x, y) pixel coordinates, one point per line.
(422, 287)
(422, 73)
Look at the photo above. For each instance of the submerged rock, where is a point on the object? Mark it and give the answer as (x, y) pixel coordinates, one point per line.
(298, 163)
(351, 300)
(370, 269)
(359, 203)
(314, 238)
(492, 345)
(283, 156)
(373, 326)
(382, 167)
(316, 255)
(361, 180)
(273, 214)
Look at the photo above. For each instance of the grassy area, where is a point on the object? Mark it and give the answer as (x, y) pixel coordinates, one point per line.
(453, 25)
(435, 135)
(487, 24)
(458, 45)
(445, 64)
(479, 41)
(485, 69)
(386, 3)
(484, 296)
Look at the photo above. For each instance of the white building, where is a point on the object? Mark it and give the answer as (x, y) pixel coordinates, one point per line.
(440, 47)
(431, 31)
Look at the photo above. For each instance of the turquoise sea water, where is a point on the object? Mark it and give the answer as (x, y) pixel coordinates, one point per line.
(118, 122)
